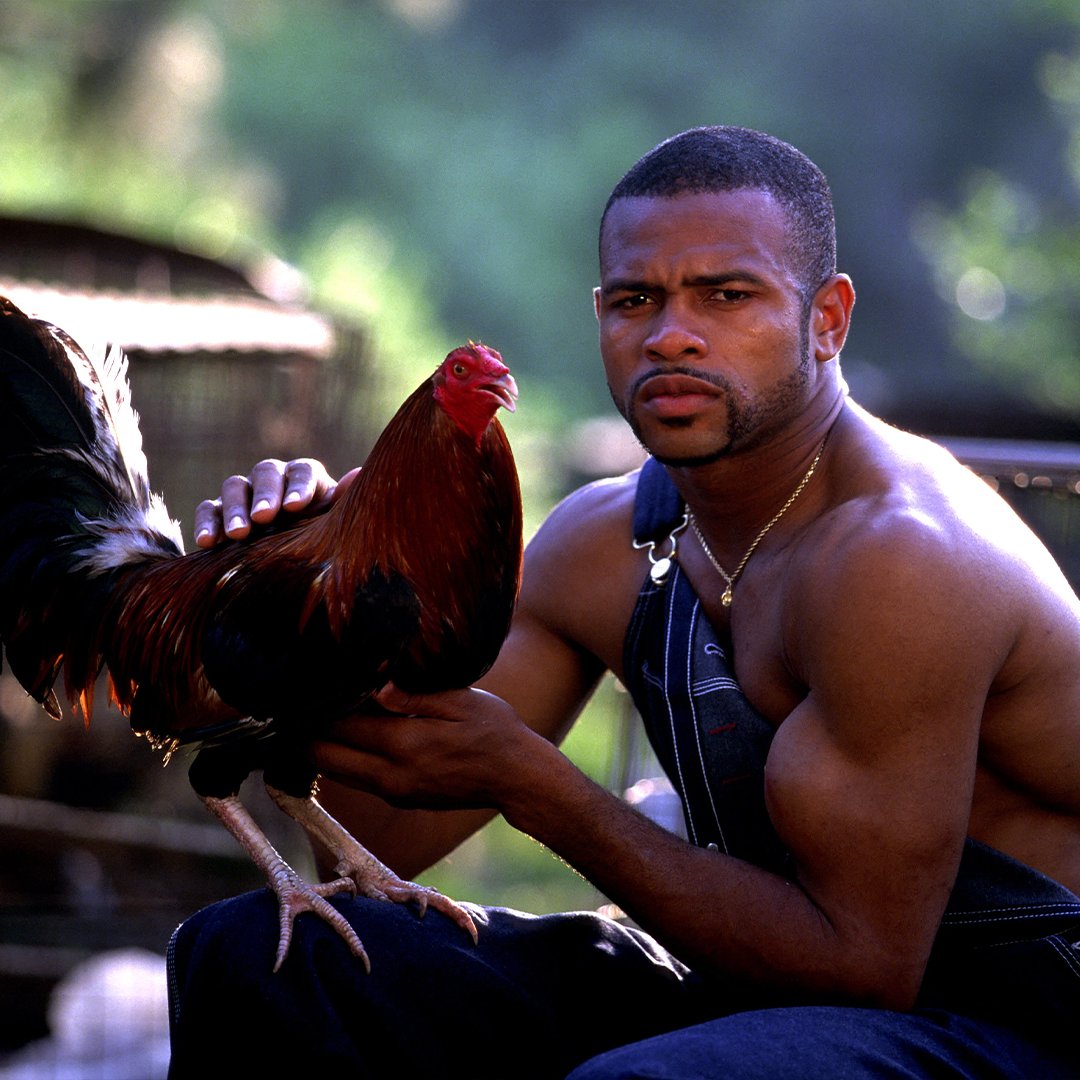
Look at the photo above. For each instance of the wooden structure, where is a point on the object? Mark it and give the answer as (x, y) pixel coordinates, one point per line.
(226, 367)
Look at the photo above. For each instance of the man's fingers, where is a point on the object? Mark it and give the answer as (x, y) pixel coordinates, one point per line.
(208, 523)
(343, 484)
(395, 700)
(266, 490)
(307, 485)
(302, 484)
(442, 704)
(275, 485)
(236, 507)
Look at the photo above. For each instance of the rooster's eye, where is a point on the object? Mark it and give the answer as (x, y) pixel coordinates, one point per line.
(459, 370)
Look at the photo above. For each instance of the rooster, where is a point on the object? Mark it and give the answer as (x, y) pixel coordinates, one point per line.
(246, 651)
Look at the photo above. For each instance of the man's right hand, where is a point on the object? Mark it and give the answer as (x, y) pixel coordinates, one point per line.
(300, 486)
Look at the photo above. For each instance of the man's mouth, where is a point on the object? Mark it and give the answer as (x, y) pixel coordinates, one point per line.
(672, 396)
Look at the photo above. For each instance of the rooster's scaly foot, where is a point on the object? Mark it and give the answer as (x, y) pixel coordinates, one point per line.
(381, 883)
(294, 894)
(372, 878)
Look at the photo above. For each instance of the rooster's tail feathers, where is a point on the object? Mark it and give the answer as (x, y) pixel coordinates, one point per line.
(62, 400)
(75, 503)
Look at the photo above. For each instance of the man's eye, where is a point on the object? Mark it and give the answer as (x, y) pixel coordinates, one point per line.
(633, 301)
(730, 296)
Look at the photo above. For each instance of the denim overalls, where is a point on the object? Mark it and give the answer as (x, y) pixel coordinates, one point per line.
(1008, 943)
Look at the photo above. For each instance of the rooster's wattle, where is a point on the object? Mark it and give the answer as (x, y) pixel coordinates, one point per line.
(247, 650)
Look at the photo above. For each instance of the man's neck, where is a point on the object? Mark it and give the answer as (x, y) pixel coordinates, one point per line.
(739, 492)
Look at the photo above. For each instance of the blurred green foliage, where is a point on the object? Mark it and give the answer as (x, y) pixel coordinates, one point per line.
(1009, 259)
(454, 155)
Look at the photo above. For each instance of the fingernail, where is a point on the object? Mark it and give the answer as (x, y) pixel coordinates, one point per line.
(260, 506)
(236, 523)
(201, 535)
(291, 497)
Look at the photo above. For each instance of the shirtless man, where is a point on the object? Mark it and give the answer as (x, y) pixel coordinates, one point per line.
(911, 646)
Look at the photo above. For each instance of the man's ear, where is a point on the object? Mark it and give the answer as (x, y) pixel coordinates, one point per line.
(830, 317)
(596, 301)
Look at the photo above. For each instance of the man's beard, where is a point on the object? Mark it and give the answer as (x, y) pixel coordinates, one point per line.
(747, 422)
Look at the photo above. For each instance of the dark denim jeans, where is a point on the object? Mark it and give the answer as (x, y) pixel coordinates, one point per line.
(542, 997)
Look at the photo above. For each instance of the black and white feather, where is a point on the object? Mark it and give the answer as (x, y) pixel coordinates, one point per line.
(73, 491)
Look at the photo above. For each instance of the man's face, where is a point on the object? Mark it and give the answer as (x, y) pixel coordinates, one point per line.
(702, 322)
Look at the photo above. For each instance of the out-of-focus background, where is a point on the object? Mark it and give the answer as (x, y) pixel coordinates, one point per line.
(287, 213)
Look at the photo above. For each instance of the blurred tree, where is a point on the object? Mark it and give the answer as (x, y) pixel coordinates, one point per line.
(484, 141)
(1007, 260)
(474, 141)
(104, 109)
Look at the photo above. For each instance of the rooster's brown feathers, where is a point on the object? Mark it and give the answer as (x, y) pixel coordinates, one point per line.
(411, 576)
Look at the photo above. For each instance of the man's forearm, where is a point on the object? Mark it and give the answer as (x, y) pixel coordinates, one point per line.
(719, 914)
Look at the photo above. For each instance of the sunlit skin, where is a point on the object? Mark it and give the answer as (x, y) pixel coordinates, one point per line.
(912, 642)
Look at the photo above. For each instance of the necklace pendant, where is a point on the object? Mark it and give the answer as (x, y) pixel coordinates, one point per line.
(725, 598)
(659, 570)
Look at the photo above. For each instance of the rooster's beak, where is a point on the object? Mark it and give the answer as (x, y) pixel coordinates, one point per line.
(505, 389)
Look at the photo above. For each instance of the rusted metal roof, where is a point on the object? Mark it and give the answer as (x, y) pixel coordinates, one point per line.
(156, 322)
(155, 298)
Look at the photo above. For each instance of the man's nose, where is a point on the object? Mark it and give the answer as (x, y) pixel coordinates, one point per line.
(675, 335)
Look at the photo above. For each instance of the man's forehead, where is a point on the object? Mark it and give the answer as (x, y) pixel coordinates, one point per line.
(696, 225)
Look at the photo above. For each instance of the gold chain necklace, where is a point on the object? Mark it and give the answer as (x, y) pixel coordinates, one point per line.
(725, 599)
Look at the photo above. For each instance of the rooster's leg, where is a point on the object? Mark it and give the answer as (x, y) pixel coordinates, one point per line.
(354, 861)
(294, 894)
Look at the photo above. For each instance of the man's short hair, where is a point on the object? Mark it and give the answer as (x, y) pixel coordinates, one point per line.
(716, 159)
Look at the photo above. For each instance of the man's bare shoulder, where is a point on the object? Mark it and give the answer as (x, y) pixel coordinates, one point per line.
(599, 504)
(916, 544)
(898, 496)
(582, 573)
(920, 592)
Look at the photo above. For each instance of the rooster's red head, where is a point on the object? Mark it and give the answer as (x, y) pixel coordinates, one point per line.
(471, 384)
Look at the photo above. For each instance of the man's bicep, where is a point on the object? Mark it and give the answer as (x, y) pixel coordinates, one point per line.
(870, 778)
(904, 798)
(897, 647)
(545, 677)
(876, 841)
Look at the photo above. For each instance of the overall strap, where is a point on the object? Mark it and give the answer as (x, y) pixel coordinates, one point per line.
(709, 739)
(658, 507)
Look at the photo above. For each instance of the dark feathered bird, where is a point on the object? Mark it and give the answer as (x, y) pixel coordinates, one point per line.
(248, 650)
